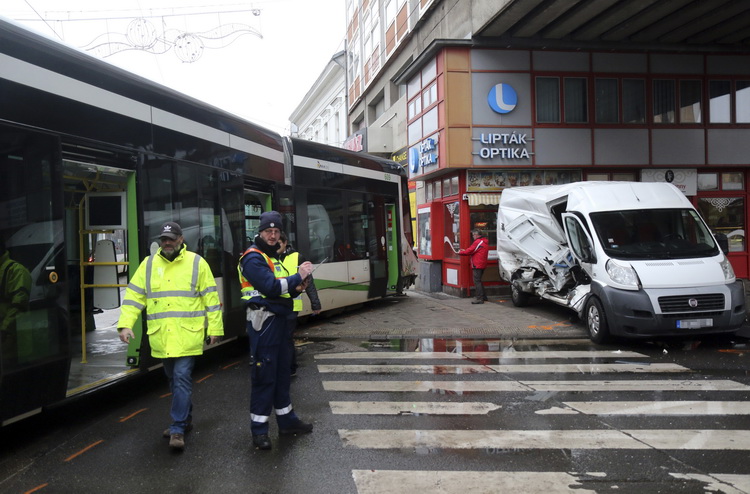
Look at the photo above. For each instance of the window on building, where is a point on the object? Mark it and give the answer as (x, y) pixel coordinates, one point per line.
(421, 192)
(722, 209)
(414, 107)
(429, 95)
(414, 86)
(743, 101)
(430, 122)
(452, 229)
(366, 34)
(548, 99)
(354, 68)
(611, 176)
(374, 38)
(720, 101)
(607, 101)
(437, 189)
(664, 101)
(390, 12)
(377, 107)
(484, 219)
(429, 72)
(421, 93)
(576, 102)
(424, 242)
(691, 108)
(414, 131)
(447, 187)
(725, 216)
(633, 101)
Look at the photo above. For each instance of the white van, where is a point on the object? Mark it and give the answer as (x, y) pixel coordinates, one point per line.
(632, 259)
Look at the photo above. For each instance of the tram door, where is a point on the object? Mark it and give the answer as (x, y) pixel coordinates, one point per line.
(95, 238)
(378, 254)
(33, 339)
(391, 244)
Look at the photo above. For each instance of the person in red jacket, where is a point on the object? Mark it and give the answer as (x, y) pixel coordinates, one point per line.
(478, 251)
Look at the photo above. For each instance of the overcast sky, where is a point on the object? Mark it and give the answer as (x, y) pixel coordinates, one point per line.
(262, 79)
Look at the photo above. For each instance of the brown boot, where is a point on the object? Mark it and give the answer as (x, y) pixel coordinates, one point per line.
(177, 441)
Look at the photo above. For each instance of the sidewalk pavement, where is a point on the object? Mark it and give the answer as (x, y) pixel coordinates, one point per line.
(430, 315)
(439, 315)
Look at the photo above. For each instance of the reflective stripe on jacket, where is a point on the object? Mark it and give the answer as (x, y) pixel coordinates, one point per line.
(181, 301)
(246, 288)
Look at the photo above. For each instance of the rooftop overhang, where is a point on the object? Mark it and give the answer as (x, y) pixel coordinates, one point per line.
(640, 25)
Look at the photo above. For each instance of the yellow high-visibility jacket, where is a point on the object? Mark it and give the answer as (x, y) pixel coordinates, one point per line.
(15, 288)
(181, 302)
(290, 263)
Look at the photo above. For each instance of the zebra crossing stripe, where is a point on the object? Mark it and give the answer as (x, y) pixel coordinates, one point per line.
(424, 386)
(718, 482)
(479, 355)
(525, 386)
(411, 408)
(582, 368)
(661, 439)
(409, 481)
(691, 408)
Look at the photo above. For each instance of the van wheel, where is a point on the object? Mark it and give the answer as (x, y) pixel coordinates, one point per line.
(518, 297)
(596, 321)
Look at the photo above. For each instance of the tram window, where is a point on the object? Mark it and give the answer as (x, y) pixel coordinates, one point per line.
(325, 226)
(357, 247)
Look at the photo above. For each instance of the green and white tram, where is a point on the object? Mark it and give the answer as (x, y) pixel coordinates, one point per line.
(93, 160)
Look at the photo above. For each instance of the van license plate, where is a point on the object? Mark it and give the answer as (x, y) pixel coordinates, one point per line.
(695, 323)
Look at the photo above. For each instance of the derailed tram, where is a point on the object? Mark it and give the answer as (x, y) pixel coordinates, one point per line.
(93, 160)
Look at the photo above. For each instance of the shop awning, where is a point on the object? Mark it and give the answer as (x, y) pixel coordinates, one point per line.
(475, 199)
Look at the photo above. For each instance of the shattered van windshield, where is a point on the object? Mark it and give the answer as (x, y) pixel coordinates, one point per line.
(654, 234)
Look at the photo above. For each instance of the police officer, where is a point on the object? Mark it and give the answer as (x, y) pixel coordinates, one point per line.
(178, 291)
(266, 289)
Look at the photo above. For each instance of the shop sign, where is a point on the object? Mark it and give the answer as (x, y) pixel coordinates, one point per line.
(502, 98)
(423, 155)
(685, 179)
(501, 147)
(356, 142)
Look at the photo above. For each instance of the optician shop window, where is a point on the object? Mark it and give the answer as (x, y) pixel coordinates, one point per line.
(484, 219)
(723, 208)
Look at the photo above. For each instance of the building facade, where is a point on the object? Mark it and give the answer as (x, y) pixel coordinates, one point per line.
(477, 96)
(322, 116)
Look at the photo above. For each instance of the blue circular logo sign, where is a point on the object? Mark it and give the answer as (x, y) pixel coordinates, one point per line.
(502, 98)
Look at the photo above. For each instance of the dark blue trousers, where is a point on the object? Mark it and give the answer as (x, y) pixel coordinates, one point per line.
(271, 360)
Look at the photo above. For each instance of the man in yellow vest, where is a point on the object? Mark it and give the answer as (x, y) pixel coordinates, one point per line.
(15, 290)
(178, 291)
(266, 289)
(290, 259)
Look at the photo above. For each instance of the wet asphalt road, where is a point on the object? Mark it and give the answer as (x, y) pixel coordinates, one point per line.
(112, 441)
